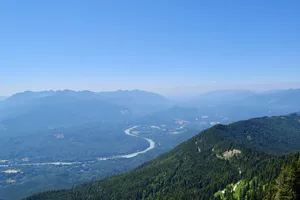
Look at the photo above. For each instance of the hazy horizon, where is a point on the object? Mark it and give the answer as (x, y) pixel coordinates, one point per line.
(192, 91)
(177, 48)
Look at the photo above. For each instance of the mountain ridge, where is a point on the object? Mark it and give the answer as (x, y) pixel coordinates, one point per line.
(204, 165)
(39, 110)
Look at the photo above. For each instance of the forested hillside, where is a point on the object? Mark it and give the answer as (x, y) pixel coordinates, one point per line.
(252, 159)
(287, 185)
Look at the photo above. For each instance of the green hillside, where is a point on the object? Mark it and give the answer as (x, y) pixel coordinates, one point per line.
(287, 185)
(245, 160)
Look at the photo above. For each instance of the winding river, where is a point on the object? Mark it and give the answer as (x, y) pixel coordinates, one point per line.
(131, 155)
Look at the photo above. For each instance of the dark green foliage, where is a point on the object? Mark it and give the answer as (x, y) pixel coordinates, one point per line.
(197, 168)
(287, 185)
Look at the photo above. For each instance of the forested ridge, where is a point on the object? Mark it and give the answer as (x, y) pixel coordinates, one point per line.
(251, 159)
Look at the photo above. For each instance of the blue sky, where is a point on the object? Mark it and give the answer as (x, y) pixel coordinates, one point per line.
(164, 46)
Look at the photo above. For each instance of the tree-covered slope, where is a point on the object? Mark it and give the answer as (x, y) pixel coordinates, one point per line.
(238, 161)
(287, 185)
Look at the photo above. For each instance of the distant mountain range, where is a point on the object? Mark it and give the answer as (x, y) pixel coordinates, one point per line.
(32, 111)
(66, 108)
(246, 97)
(244, 104)
(252, 159)
(120, 97)
(220, 97)
(2, 98)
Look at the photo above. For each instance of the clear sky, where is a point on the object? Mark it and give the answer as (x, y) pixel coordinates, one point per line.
(158, 45)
